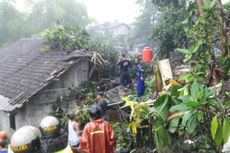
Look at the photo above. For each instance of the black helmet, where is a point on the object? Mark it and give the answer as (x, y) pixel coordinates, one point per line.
(95, 112)
(26, 140)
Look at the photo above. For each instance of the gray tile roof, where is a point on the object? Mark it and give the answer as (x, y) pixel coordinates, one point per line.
(24, 70)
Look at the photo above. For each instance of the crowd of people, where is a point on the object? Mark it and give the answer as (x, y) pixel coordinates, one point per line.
(96, 137)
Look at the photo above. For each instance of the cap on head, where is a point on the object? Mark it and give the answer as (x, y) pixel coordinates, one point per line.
(95, 112)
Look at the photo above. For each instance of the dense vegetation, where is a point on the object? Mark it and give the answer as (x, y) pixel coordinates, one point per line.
(189, 116)
(37, 16)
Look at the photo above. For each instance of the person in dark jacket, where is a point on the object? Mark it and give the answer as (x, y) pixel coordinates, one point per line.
(103, 104)
(125, 68)
(140, 78)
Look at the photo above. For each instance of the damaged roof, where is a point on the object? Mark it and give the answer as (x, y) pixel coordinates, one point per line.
(25, 69)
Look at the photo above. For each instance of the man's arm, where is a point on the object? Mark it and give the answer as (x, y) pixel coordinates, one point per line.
(76, 128)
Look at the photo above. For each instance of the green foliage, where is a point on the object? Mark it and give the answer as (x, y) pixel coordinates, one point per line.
(139, 113)
(169, 30)
(82, 115)
(42, 14)
(224, 62)
(144, 22)
(66, 37)
(12, 22)
(104, 46)
(201, 31)
(124, 138)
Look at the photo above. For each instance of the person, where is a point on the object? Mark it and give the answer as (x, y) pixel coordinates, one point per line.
(3, 135)
(98, 135)
(3, 146)
(103, 104)
(73, 132)
(3, 142)
(26, 139)
(125, 67)
(54, 139)
(140, 78)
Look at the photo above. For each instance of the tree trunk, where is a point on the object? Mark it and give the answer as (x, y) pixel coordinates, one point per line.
(223, 31)
(199, 5)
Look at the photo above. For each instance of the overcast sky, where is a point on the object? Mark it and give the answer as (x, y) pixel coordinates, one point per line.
(111, 10)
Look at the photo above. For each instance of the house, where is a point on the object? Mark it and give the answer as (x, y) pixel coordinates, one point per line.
(31, 81)
(115, 29)
(119, 32)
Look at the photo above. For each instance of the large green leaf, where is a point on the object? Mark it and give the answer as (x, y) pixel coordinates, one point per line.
(173, 124)
(179, 108)
(227, 103)
(161, 137)
(187, 57)
(186, 117)
(195, 90)
(185, 51)
(218, 137)
(162, 107)
(196, 46)
(160, 101)
(185, 98)
(187, 78)
(226, 130)
(191, 105)
(192, 124)
(214, 126)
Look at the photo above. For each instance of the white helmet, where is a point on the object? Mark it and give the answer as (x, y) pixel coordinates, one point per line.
(26, 139)
(49, 126)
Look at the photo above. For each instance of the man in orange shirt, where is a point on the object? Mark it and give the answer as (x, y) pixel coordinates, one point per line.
(98, 135)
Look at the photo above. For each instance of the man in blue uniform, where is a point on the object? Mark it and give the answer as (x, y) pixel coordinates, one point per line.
(140, 78)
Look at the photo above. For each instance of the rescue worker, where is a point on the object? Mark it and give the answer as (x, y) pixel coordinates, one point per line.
(98, 135)
(73, 132)
(140, 78)
(125, 68)
(26, 140)
(54, 139)
(103, 104)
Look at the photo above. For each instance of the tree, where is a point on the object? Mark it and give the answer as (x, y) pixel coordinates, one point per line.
(45, 13)
(168, 28)
(11, 22)
(38, 15)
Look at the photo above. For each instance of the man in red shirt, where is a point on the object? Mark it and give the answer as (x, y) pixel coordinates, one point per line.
(98, 135)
